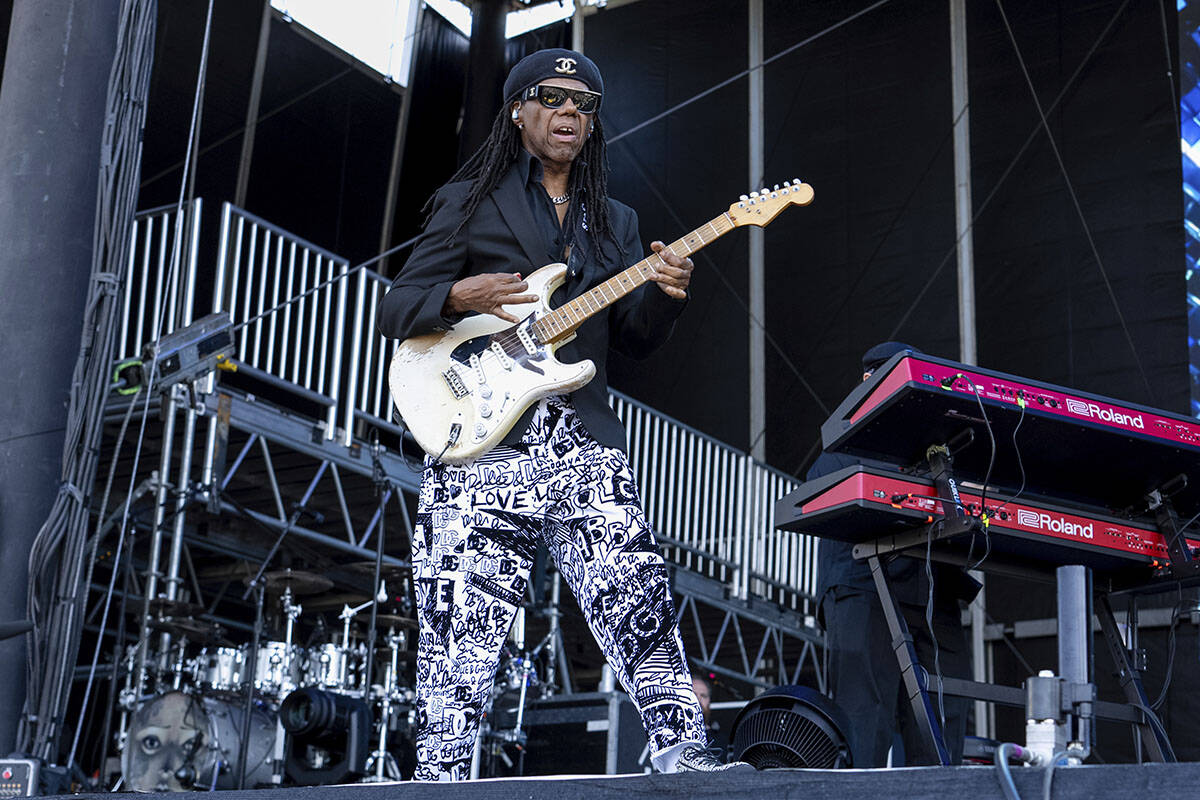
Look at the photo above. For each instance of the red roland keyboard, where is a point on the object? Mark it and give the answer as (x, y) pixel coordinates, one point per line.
(1082, 447)
(860, 503)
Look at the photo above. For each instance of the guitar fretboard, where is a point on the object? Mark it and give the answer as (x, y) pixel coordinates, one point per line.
(566, 318)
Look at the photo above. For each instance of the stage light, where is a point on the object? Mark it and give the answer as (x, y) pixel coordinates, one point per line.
(329, 736)
(188, 353)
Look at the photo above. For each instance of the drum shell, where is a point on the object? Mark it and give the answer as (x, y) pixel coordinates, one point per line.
(175, 731)
(222, 669)
(330, 667)
(277, 668)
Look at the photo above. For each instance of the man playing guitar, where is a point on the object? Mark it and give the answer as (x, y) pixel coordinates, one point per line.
(535, 193)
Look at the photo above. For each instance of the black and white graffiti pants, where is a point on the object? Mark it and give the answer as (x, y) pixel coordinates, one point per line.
(478, 527)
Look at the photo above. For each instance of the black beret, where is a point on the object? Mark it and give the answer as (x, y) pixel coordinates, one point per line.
(874, 358)
(553, 63)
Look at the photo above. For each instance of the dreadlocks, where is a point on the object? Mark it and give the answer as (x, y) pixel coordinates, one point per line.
(589, 176)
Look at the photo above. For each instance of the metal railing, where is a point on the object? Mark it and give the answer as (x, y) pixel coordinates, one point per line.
(367, 395)
(260, 268)
(157, 299)
(711, 506)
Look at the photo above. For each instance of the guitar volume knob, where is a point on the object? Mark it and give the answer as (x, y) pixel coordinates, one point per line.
(485, 391)
(480, 430)
(485, 410)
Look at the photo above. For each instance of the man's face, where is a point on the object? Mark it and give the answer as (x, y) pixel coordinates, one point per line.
(704, 696)
(554, 136)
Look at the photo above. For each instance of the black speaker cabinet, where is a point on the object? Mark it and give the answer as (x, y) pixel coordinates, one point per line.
(578, 734)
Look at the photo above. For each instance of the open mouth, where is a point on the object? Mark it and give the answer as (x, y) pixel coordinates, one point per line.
(565, 132)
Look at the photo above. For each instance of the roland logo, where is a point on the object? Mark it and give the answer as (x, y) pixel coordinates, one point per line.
(1045, 522)
(1093, 411)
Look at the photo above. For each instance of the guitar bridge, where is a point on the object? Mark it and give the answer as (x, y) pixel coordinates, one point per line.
(455, 382)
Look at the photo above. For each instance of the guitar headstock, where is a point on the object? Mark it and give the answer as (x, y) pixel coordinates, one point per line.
(759, 208)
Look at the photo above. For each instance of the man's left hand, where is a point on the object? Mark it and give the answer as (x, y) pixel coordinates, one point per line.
(674, 275)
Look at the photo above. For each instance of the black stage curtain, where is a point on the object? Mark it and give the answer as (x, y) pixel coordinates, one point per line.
(862, 112)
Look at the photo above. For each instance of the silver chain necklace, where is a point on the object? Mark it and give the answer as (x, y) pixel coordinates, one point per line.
(558, 200)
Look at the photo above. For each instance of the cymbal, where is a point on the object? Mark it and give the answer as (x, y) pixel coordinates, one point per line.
(394, 621)
(388, 572)
(300, 582)
(197, 630)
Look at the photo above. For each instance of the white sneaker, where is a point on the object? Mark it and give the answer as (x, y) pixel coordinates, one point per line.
(695, 758)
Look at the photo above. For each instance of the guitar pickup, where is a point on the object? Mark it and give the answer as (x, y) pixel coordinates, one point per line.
(501, 356)
(455, 382)
(526, 340)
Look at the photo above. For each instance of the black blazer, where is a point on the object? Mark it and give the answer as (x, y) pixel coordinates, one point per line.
(501, 236)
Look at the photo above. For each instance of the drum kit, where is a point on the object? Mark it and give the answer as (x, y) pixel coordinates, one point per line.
(205, 713)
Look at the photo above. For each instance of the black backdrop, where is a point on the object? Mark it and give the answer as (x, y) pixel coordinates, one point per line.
(863, 113)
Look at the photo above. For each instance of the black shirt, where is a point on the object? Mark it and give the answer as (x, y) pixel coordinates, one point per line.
(555, 237)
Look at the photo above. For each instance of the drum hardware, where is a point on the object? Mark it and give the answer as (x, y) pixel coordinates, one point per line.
(348, 613)
(291, 612)
(383, 762)
(334, 667)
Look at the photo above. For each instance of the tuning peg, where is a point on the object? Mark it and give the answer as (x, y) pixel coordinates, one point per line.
(776, 189)
(765, 190)
(743, 198)
(754, 194)
(796, 181)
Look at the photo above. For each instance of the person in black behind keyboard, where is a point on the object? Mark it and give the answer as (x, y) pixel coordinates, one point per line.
(864, 676)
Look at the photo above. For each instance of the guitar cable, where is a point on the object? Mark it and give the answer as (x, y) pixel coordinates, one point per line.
(455, 430)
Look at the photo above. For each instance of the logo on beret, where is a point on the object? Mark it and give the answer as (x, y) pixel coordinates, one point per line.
(566, 66)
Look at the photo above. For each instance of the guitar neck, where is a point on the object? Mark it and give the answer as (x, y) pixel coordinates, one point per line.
(562, 321)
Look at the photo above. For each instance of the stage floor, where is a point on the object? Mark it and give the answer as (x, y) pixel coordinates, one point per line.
(1101, 781)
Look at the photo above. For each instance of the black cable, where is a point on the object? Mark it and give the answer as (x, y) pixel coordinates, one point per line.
(58, 557)
(937, 662)
(1175, 615)
(1020, 463)
(1156, 723)
(118, 552)
(987, 476)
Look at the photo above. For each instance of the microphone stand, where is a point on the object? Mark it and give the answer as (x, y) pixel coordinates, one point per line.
(259, 589)
(248, 670)
(383, 488)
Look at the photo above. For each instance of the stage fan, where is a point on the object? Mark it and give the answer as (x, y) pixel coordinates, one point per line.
(791, 726)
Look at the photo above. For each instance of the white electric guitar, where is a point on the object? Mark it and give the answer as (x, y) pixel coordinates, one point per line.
(461, 391)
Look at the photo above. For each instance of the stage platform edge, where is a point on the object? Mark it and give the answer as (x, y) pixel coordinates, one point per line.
(978, 783)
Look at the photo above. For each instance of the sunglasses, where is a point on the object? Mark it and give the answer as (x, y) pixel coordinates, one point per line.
(554, 96)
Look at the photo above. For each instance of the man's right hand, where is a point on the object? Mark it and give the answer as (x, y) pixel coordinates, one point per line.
(487, 294)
